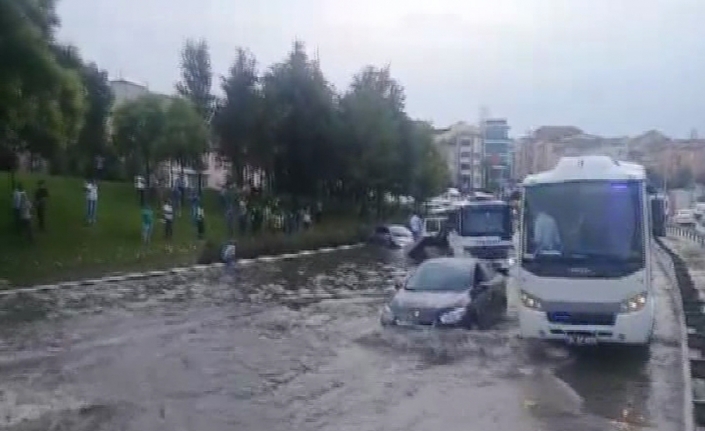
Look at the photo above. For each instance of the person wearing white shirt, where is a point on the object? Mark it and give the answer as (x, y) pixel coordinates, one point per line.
(91, 201)
(546, 235)
(416, 226)
(168, 214)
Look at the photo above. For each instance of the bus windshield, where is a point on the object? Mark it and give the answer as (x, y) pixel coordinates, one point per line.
(584, 220)
(490, 220)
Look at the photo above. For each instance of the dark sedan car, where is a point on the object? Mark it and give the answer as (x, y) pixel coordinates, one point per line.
(449, 291)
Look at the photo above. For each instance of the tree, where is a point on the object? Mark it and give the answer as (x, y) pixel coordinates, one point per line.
(185, 135)
(238, 117)
(429, 176)
(196, 83)
(299, 112)
(138, 130)
(373, 118)
(40, 101)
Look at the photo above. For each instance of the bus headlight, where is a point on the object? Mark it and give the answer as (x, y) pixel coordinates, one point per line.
(634, 303)
(529, 301)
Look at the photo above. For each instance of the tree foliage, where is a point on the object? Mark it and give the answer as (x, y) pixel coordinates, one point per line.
(197, 77)
(185, 135)
(138, 130)
(286, 123)
(310, 141)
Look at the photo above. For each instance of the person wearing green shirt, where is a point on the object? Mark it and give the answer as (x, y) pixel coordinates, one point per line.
(147, 224)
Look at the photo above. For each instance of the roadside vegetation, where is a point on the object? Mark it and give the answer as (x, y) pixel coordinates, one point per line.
(288, 138)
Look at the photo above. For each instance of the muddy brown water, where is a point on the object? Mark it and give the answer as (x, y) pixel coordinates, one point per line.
(206, 353)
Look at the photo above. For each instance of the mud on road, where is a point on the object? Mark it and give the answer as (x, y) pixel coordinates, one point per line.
(204, 353)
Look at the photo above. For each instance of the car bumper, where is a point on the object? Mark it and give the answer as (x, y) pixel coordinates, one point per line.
(632, 328)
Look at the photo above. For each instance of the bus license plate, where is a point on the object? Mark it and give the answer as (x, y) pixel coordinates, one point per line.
(582, 340)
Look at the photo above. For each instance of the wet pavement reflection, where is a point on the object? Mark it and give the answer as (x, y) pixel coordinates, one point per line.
(204, 352)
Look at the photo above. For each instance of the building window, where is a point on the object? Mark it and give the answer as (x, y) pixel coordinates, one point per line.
(465, 166)
(466, 154)
(465, 142)
(496, 133)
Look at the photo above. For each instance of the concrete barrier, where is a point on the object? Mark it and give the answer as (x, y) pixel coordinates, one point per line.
(691, 310)
(153, 274)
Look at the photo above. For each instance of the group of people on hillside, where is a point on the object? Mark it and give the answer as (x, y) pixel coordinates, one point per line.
(25, 209)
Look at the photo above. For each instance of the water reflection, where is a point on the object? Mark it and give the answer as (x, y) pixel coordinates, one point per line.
(613, 382)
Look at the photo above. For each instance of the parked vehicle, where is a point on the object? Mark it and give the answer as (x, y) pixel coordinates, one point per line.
(449, 292)
(684, 217)
(393, 236)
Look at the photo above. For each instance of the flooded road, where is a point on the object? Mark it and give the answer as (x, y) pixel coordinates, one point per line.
(199, 352)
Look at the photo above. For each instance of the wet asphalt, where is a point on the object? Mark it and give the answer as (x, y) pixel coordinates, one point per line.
(203, 352)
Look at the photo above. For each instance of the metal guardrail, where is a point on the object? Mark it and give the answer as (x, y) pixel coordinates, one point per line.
(692, 308)
(686, 232)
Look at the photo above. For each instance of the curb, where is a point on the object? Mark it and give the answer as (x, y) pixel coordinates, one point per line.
(677, 271)
(172, 271)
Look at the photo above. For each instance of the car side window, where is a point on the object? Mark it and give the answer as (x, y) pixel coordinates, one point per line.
(381, 230)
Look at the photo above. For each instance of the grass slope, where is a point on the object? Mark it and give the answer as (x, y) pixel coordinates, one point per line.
(70, 250)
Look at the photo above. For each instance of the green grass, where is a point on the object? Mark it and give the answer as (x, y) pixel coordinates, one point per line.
(71, 250)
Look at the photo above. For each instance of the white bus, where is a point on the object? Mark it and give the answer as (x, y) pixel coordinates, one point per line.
(584, 270)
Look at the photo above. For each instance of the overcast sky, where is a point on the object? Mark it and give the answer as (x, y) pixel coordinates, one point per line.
(611, 67)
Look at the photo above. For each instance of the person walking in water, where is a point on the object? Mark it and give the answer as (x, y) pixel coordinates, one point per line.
(228, 256)
(415, 225)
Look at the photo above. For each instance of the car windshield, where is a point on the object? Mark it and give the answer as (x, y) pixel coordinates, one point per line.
(399, 231)
(441, 276)
(584, 220)
(484, 221)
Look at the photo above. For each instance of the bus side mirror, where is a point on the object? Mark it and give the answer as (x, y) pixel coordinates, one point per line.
(658, 217)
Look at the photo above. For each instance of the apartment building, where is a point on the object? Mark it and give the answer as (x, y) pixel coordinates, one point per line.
(461, 146)
(541, 149)
(498, 151)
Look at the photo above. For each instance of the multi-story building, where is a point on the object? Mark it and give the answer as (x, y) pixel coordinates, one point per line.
(462, 148)
(498, 152)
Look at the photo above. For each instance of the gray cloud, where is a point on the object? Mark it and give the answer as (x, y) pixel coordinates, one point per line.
(608, 66)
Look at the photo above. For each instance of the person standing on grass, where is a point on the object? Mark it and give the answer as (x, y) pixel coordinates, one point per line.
(26, 217)
(306, 219)
(18, 194)
(200, 222)
(91, 201)
(319, 212)
(147, 224)
(168, 214)
(140, 186)
(40, 201)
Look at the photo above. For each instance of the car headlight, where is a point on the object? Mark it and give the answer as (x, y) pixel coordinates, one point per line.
(530, 301)
(634, 303)
(453, 316)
